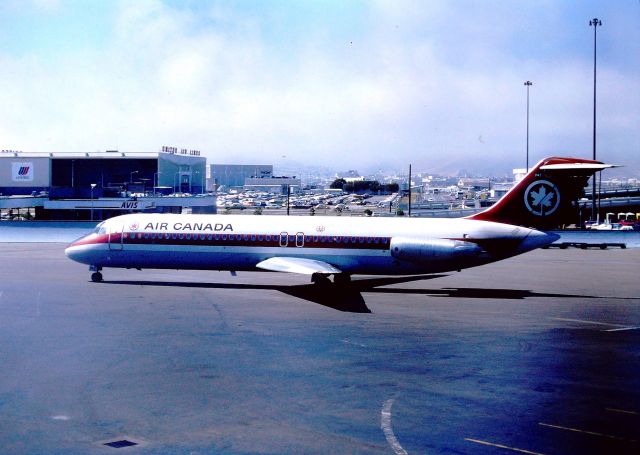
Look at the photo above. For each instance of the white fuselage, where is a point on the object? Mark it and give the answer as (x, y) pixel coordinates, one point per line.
(384, 246)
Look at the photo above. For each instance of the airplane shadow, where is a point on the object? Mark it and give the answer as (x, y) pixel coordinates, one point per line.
(342, 297)
(347, 297)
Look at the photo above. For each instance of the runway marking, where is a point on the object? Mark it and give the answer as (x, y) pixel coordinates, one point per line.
(620, 329)
(622, 411)
(385, 424)
(584, 321)
(593, 433)
(345, 341)
(60, 417)
(501, 446)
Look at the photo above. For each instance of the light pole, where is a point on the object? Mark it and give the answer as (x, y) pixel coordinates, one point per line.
(409, 208)
(595, 23)
(93, 185)
(131, 176)
(528, 84)
(288, 196)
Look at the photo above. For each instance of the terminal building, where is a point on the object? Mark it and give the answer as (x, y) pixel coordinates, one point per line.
(233, 176)
(84, 186)
(256, 177)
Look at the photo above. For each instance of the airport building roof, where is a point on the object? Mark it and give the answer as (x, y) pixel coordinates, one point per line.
(99, 155)
(166, 151)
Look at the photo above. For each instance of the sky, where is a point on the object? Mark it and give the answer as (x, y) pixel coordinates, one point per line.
(343, 84)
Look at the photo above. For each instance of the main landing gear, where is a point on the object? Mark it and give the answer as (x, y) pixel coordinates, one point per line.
(96, 276)
(339, 279)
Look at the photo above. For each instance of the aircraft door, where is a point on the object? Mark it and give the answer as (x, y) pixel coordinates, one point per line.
(300, 239)
(284, 239)
(116, 237)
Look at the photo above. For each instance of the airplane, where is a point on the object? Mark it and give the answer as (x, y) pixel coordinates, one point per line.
(325, 246)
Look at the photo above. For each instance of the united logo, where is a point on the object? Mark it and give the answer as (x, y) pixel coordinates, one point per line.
(542, 198)
(134, 226)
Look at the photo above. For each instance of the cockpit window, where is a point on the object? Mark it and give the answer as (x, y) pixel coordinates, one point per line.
(100, 229)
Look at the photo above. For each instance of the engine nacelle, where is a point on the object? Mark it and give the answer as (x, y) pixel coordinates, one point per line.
(433, 250)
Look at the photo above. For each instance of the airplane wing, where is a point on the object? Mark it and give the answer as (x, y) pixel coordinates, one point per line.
(297, 265)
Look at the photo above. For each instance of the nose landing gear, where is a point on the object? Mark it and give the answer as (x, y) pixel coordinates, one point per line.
(96, 276)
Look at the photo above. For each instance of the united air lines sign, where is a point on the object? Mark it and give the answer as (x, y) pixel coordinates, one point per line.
(22, 172)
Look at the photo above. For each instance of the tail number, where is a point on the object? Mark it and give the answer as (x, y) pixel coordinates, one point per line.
(542, 198)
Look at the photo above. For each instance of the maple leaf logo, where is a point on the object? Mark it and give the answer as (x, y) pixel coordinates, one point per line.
(542, 198)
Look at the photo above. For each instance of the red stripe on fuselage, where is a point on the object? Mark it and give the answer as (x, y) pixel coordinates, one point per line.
(244, 240)
(92, 239)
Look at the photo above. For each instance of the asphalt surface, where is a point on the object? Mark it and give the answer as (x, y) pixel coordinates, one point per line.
(539, 353)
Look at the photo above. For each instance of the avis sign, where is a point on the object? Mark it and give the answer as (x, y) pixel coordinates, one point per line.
(130, 205)
(22, 172)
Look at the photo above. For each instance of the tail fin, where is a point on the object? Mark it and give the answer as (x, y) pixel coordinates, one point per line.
(546, 196)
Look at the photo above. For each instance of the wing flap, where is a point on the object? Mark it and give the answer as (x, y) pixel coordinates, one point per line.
(297, 265)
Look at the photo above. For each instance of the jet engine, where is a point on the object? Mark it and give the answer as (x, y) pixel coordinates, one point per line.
(441, 250)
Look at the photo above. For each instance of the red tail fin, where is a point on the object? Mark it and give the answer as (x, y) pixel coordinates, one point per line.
(546, 196)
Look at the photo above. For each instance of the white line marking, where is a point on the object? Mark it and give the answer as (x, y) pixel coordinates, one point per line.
(582, 321)
(385, 424)
(354, 343)
(620, 329)
(593, 433)
(60, 417)
(622, 411)
(500, 446)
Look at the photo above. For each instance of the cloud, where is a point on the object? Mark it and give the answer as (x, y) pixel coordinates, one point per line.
(383, 85)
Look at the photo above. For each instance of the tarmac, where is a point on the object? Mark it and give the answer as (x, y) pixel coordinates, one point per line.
(537, 354)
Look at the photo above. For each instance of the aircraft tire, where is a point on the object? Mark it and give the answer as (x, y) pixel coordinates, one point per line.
(320, 279)
(341, 278)
(96, 277)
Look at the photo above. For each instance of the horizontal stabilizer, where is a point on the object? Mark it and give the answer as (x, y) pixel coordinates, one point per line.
(591, 167)
(297, 265)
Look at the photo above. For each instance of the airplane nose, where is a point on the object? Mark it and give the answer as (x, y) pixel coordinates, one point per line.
(76, 251)
(71, 252)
